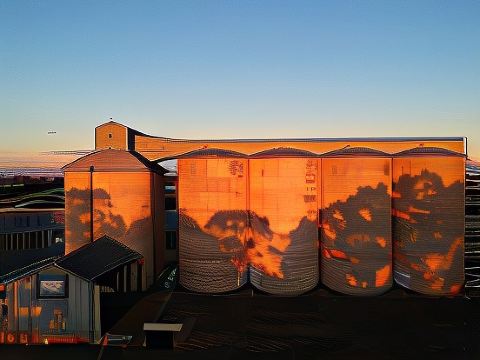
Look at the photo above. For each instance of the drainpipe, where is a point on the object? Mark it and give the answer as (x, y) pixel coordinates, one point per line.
(92, 168)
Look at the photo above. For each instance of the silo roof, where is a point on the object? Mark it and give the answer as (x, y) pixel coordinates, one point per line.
(436, 151)
(355, 151)
(283, 152)
(211, 153)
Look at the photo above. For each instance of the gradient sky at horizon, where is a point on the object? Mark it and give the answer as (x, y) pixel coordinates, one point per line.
(246, 69)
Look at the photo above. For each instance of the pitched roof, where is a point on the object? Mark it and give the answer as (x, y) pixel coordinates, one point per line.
(113, 160)
(97, 258)
(17, 264)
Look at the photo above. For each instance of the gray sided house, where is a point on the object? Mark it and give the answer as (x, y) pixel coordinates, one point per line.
(46, 298)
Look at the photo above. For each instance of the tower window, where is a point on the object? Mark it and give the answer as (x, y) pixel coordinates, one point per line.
(170, 203)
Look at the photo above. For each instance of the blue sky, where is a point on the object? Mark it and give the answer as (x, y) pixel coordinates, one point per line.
(238, 69)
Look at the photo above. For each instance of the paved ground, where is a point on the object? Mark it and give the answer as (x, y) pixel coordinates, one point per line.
(394, 325)
(319, 325)
(147, 310)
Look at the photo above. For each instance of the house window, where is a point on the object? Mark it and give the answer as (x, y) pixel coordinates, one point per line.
(50, 286)
(110, 135)
(171, 240)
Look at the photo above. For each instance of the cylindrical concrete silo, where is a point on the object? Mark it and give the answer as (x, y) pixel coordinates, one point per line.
(212, 201)
(283, 203)
(429, 220)
(356, 248)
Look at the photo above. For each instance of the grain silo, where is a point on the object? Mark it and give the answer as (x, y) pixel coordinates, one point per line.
(283, 201)
(356, 248)
(429, 220)
(119, 194)
(213, 221)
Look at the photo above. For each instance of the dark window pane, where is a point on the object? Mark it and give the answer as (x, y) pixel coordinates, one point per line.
(170, 203)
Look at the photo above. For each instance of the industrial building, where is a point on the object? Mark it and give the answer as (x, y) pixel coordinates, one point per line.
(281, 214)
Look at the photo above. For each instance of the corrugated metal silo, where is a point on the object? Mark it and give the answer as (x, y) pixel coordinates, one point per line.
(213, 220)
(429, 220)
(119, 184)
(356, 248)
(283, 243)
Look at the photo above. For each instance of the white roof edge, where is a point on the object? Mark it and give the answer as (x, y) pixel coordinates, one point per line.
(162, 327)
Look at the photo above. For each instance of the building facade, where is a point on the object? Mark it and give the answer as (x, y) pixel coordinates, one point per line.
(281, 214)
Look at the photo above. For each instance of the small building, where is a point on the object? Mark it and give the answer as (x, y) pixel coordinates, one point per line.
(48, 299)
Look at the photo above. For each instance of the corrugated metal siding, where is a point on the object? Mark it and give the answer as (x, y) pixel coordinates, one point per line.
(356, 248)
(472, 226)
(428, 231)
(212, 223)
(283, 247)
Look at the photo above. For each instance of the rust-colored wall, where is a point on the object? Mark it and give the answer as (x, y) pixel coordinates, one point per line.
(429, 223)
(356, 245)
(118, 139)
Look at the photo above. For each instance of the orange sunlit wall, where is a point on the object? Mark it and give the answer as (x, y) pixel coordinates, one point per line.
(121, 210)
(118, 136)
(428, 232)
(213, 218)
(283, 243)
(77, 210)
(356, 249)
